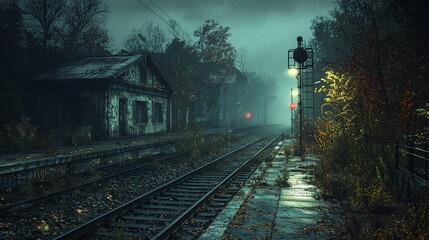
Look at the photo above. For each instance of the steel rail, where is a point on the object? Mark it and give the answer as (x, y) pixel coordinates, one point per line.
(88, 227)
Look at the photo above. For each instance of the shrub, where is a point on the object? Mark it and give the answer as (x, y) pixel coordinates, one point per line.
(414, 225)
(370, 197)
(192, 141)
(287, 151)
(282, 180)
(222, 140)
(49, 142)
(350, 168)
(20, 136)
(296, 150)
(333, 185)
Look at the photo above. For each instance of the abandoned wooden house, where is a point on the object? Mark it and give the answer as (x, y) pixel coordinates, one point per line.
(105, 97)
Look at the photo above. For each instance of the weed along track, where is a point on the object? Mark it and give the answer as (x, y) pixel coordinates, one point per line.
(55, 213)
(160, 212)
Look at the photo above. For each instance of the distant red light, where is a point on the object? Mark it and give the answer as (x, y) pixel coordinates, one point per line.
(248, 115)
(292, 105)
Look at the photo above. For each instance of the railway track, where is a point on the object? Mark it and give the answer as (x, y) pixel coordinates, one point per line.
(196, 197)
(49, 215)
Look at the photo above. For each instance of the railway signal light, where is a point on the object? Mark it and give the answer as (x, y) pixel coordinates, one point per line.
(292, 105)
(247, 115)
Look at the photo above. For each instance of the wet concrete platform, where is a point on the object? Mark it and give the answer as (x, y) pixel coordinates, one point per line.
(266, 210)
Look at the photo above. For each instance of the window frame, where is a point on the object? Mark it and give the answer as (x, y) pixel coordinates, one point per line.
(157, 113)
(141, 112)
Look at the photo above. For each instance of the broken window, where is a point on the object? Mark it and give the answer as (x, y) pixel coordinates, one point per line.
(157, 113)
(141, 112)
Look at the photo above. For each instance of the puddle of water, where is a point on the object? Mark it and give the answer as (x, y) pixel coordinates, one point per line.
(297, 212)
(303, 197)
(300, 204)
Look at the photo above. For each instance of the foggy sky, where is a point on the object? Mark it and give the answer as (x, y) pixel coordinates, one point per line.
(266, 29)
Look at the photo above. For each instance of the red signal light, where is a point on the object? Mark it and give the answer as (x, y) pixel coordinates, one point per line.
(292, 105)
(247, 115)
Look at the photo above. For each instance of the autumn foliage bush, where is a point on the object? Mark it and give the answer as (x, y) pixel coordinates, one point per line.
(193, 141)
(351, 167)
(414, 225)
(375, 88)
(23, 136)
(20, 135)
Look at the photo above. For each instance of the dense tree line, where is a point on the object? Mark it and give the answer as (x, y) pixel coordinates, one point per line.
(381, 47)
(375, 56)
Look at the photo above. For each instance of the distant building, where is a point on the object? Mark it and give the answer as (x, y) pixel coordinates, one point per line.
(105, 97)
(230, 100)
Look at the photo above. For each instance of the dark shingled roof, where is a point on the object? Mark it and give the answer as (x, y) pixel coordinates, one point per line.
(92, 68)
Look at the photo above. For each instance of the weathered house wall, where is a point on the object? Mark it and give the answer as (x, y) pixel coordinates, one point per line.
(134, 128)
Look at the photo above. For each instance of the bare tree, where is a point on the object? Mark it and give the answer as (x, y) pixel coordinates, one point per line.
(82, 17)
(174, 28)
(45, 16)
(148, 37)
(68, 27)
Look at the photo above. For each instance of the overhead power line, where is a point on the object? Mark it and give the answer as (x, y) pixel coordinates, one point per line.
(156, 5)
(165, 21)
(166, 14)
(150, 9)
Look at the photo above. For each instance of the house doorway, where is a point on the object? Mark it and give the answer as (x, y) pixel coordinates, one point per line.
(122, 117)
